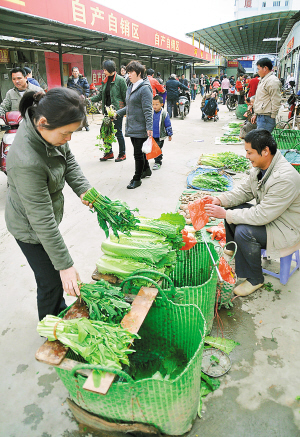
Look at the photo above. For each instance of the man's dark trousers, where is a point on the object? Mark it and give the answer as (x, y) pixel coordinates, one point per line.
(250, 240)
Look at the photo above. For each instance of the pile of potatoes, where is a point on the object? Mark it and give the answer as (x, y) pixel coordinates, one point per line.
(185, 199)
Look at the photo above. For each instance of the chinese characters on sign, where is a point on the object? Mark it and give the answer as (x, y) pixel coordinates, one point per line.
(165, 42)
(98, 76)
(4, 56)
(248, 4)
(94, 15)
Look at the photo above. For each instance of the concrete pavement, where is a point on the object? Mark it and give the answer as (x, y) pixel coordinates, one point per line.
(257, 398)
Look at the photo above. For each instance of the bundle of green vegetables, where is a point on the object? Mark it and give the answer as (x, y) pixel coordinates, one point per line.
(97, 342)
(234, 132)
(113, 213)
(105, 302)
(228, 160)
(235, 125)
(230, 139)
(107, 130)
(211, 180)
(154, 246)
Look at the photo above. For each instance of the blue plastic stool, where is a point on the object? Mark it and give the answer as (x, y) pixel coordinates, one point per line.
(285, 266)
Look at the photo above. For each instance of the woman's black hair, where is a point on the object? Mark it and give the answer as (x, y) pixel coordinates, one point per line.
(109, 65)
(260, 139)
(60, 106)
(137, 67)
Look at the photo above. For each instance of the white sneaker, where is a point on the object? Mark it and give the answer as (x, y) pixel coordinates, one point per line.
(156, 166)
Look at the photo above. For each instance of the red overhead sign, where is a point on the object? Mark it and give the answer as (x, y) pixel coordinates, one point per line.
(232, 64)
(90, 15)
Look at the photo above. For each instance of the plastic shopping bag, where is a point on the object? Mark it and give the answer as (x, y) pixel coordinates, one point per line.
(198, 214)
(147, 145)
(226, 271)
(218, 233)
(155, 149)
(188, 239)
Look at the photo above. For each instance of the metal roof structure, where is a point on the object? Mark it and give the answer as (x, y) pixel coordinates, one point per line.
(44, 34)
(245, 36)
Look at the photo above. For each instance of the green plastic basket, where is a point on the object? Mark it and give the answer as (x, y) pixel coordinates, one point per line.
(240, 111)
(169, 405)
(193, 280)
(287, 138)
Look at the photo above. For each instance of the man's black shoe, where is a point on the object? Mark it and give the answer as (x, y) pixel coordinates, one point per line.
(87, 128)
(134, 184)
(146, 173)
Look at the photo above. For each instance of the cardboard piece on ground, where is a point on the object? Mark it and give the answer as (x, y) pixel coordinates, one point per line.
(132, 321)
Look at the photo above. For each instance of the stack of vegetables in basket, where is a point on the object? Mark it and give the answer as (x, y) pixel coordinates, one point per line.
(153, 245)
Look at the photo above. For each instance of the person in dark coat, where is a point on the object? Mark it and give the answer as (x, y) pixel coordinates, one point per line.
(80, 84)
(172, 86)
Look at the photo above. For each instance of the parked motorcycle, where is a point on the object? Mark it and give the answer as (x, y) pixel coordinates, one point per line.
(9, 124)
(232, 99)
(184, 103)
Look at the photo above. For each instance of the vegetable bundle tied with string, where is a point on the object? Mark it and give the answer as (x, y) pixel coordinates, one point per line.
(112, 213)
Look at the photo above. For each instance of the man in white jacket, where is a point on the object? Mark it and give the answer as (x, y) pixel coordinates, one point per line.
(267, 97)
(271, 223)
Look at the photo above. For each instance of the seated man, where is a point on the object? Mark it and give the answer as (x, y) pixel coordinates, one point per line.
(273, 223)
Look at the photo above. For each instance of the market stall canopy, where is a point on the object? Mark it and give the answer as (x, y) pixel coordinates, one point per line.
(83, 26)
(248, 36)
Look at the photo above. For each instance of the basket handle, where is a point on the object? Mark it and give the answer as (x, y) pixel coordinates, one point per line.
(221, 249)
(131, 278)
(167, 278)
(103, 368)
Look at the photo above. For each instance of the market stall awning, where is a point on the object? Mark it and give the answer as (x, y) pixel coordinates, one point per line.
(83, 26)
(250, 35)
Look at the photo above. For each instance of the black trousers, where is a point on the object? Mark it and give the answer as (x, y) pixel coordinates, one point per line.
(225, 93)
(50, 298)
(250, 240)
(141, 162)
(119, 135)
(160, 143)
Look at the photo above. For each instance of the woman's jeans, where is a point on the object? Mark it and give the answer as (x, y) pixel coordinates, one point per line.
(119, 135)
(193, 94)
(265, 122)
(50, 298)
(141, 162)
(250, 240)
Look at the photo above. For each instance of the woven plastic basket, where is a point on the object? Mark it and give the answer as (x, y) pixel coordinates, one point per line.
(193, 280)
(287, 138)
(169, 405)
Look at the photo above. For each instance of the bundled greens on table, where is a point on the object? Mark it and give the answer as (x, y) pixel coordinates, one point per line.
(97, 342)
(105, 302)
(211, 180)
(228, 160)
(230, 139)
(111, 213)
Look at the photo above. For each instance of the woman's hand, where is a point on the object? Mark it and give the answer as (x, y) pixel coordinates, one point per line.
(150, 133)
(85, 202)
(215, 211)
(69, 278)
(253, 119)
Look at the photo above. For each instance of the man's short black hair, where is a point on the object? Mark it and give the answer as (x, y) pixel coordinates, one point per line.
(265, 62)
(260, 139)
(27, 70)
(109, 65)
(18, 70)
(150, 71)
(159, 98)
(158, 74)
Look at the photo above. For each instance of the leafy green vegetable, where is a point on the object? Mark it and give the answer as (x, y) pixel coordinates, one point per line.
(211, 180)
(141, 250)
(168, 225)
(230, 139)
(104, 303)
(225, 159)
(107, 131)
(97, 342)
(120, 267)
(235, 125)
(224, 344)
(113, 213)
